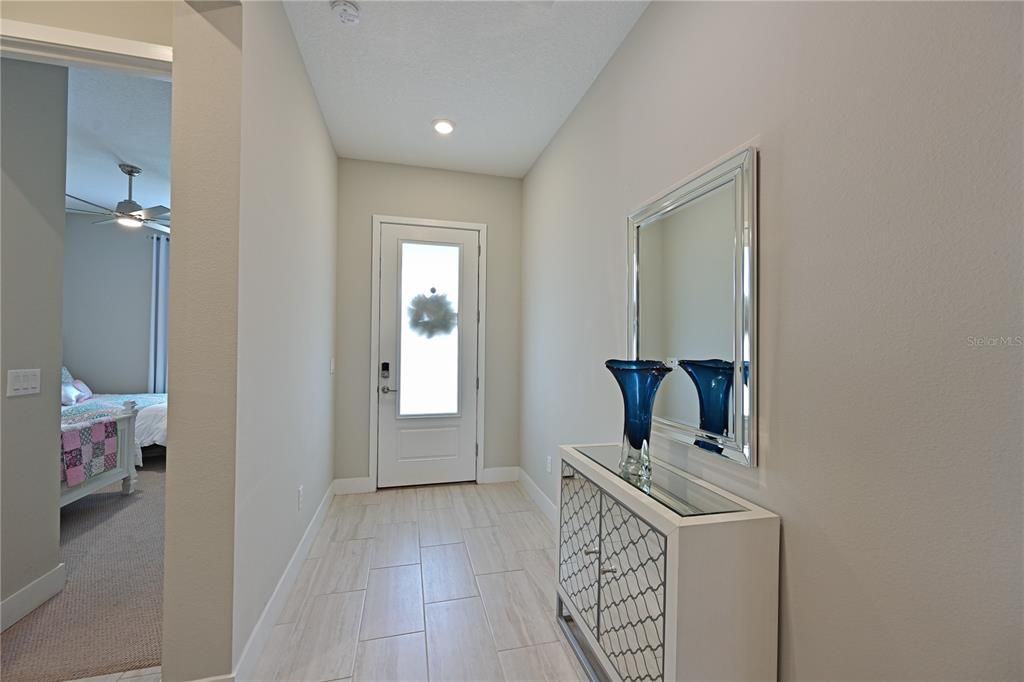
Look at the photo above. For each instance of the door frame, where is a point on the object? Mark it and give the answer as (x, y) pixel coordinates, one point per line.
(481, 364)
(68, 47)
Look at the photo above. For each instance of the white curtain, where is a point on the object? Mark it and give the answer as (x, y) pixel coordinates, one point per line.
(158, 316)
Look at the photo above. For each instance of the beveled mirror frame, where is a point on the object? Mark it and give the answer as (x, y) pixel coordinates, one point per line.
(741, 169)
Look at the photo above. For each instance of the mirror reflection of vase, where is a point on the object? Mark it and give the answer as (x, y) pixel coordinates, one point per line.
(713, 379)
(638, 380)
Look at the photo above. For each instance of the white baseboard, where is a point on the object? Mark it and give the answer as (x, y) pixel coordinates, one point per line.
(28, 598)
(348, 486)
(498, 475)
(533, 491)
(249, 657)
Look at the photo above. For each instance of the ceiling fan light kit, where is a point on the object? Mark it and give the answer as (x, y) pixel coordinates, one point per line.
(128, 212)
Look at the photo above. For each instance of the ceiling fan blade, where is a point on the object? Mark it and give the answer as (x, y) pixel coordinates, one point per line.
(159, 227)
(82, 211)
(72, 196)
(104, 222)
(153, 212)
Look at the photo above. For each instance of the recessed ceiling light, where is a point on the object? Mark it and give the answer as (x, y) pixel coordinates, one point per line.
(443, 126)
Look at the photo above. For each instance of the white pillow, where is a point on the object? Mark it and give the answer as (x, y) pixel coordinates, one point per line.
(69, 394)
(83, 389)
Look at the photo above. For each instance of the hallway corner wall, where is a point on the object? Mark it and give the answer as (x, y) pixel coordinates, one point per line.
(33, 121)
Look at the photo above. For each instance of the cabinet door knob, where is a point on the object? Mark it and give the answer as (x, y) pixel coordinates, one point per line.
(590, 551)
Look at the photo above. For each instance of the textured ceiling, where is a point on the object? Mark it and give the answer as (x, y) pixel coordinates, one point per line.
(507, 73)
(117, 118)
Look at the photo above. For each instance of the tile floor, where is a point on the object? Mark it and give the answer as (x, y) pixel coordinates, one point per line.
(452, 582)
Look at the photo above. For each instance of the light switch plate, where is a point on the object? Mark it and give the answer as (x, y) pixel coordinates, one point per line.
(22, 382)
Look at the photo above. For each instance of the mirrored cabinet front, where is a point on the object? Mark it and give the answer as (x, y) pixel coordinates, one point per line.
(693, 281)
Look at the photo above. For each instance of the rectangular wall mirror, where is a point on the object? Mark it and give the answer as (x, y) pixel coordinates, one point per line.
(693, 289)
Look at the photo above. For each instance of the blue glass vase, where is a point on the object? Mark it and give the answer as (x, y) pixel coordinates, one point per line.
(638, 380)
(713, 379)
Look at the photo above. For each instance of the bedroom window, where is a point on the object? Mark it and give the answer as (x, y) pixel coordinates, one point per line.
(158, 316)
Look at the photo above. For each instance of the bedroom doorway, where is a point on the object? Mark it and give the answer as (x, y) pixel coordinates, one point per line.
(426, 379)
(103, 616)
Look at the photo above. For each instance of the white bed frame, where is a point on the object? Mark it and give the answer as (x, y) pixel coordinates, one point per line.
(127, 456)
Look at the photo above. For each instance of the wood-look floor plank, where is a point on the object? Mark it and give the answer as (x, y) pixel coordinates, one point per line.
(398, 505)
(434, 497)
(447, 573)
(471, 508)
(517, 610)
(344, 568)
(357, 523)
(392, 659)
(459, 645)
(506, 498)
(542, 567)
(490, 550)
(396, 544)
(439, 527)
(323, 537)
(394, 602)
(327, 634)
(271, 665)
(528, 530)
(300, 590)
(550, 662)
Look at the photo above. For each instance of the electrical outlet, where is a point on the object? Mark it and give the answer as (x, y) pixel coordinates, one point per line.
(300, 498)
(549, 464)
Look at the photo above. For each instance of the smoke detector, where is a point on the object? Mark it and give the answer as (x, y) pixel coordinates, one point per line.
(346, 11)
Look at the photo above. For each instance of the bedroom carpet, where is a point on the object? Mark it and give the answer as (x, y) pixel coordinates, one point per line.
(108, 617)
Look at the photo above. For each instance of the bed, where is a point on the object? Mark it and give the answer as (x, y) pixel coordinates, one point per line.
(97, 450)
(150, 425)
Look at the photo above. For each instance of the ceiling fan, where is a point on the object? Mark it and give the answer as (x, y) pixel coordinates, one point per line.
(128, 212)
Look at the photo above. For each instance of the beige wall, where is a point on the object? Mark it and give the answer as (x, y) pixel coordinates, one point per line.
(206, 143)
(366, 188)
(285, 311)
(891, 142)
(251, 328)
(33, 122)
(107, 263)
(149, 22)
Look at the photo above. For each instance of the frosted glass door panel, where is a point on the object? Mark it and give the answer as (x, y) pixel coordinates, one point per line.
(426, 374)
(429, 340)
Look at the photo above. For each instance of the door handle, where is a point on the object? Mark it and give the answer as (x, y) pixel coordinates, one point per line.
(388, 389)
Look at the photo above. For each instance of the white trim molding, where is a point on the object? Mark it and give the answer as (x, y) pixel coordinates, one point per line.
(61, 46)
(498, 475)
(481, 341)
(245, 666)
(548, 506)
(349, 486)
(33, 595)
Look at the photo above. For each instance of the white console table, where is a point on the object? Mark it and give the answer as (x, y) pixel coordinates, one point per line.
(680, 582)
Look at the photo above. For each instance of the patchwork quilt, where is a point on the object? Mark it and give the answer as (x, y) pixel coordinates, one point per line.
(106, 406)
(87, 450)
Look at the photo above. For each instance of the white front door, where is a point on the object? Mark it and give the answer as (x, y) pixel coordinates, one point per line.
(427, 367)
